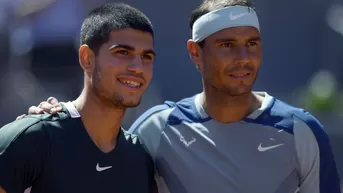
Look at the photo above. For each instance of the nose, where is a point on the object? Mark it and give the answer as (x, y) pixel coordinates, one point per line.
(242, 56)
(136, 65)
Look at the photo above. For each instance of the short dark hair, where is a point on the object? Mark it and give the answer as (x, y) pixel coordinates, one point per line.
(212, 5)
(99, 23)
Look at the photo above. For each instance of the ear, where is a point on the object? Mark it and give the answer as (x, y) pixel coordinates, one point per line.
(86, 58)
(195, 52)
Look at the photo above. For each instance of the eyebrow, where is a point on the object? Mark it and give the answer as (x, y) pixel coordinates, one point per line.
(235, 40)
(128, 47)
(255, 39)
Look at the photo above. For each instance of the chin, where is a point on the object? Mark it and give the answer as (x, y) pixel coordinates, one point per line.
(239, 91)
(123, 102)
(131, 103)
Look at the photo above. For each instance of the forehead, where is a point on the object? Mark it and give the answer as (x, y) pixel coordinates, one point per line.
(131, 37)
(236, 33)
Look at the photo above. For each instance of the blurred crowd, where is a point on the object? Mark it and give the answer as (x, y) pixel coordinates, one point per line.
(39, 51)
(303, 64)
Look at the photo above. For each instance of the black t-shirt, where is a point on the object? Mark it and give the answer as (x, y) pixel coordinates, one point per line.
(54, 154)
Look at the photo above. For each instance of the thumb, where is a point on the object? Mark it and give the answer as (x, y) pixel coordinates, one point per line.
(20, 117)
(52, 101)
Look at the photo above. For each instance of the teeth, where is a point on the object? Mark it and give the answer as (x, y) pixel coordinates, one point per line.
(240, 75)
(131, 83)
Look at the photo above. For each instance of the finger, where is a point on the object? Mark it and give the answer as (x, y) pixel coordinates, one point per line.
(52, 100)
(35, 110)
(21, 116)
(43, 103)
(45, 106)
(56, 108)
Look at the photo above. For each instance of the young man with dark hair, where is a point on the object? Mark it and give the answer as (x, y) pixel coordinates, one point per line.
(229, 138)
(83, 148)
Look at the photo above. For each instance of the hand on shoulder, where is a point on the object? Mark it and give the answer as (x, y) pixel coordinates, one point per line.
(51, 105)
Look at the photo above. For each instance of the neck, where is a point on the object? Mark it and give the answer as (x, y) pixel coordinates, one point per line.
(228, 109)
(103, 123)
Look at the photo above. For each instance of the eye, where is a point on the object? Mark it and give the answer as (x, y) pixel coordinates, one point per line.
(252, 43)
(122, 52)
(226, 45)
(147, 57)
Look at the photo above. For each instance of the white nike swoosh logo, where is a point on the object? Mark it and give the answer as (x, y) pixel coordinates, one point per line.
(100, 169)
(234, 17)
(262, 149)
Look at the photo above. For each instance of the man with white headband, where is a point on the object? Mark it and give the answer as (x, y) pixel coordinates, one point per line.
(228, 138)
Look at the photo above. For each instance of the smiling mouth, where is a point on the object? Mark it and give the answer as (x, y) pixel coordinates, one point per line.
(240, 75)
(130, 83)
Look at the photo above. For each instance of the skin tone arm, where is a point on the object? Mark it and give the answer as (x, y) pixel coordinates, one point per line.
(2, 190)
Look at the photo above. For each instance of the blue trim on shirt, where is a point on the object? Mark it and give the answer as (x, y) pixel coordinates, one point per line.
(186, 111)
(329, 180)
(278, 115)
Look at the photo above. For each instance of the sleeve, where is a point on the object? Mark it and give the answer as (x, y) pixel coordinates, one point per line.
(23, 149)
(317, 167)
(149, 127)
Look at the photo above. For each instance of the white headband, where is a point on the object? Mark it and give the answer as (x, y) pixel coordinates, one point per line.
(227, 17)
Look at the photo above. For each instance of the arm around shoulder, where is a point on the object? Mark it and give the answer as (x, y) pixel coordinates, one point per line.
(24, 147)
